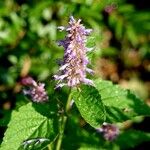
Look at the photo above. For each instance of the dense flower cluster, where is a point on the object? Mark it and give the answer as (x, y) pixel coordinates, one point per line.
(74, 66)
(35, 90)
(109, 131)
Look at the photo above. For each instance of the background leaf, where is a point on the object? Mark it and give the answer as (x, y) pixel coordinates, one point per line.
(134, 137)
(120, 104)
(29, 123)
(90, 105)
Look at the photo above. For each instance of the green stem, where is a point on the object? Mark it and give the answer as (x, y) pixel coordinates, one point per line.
(68, 102)
(64, 120)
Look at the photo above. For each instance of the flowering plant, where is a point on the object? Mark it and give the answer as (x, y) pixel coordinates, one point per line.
(47, 122)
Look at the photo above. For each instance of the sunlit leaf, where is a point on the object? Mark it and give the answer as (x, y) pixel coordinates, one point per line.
(90, 105)
(30, 125)
(120, 104)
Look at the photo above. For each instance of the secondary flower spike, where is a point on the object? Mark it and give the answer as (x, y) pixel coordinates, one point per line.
(110, 131)
(35, 91)
(73, 68)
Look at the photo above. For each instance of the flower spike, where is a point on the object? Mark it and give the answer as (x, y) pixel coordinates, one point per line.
(73, 69)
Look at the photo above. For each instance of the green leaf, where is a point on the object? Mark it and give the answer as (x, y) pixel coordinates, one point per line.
(131, 34)
(126, 9)
(32, 124)
(119, 28)
(89, 148)
(132, 138)
(120, 104)
(90, 105)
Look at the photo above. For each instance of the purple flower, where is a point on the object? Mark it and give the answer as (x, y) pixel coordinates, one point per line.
(27, 81)
(109, 131)
(72, 71)
(35, 90)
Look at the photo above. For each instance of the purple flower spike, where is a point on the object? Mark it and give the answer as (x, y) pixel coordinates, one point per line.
(36, 90)
(73, 69)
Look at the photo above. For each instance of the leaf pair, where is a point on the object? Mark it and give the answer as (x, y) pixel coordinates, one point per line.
(108, 102)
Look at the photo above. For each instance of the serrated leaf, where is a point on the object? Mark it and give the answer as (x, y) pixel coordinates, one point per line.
(90, 105)
(120, 104)
(30, 122)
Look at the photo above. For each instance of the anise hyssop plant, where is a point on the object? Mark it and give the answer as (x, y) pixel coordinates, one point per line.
(85, 114)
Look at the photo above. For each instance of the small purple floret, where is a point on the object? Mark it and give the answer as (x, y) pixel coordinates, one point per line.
(109, 131)
(73, 69)
(35, 90)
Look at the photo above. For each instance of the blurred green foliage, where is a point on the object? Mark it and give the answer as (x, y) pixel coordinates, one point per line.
(28, 44)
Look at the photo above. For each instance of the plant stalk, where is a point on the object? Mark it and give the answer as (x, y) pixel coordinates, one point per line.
(64, 120)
